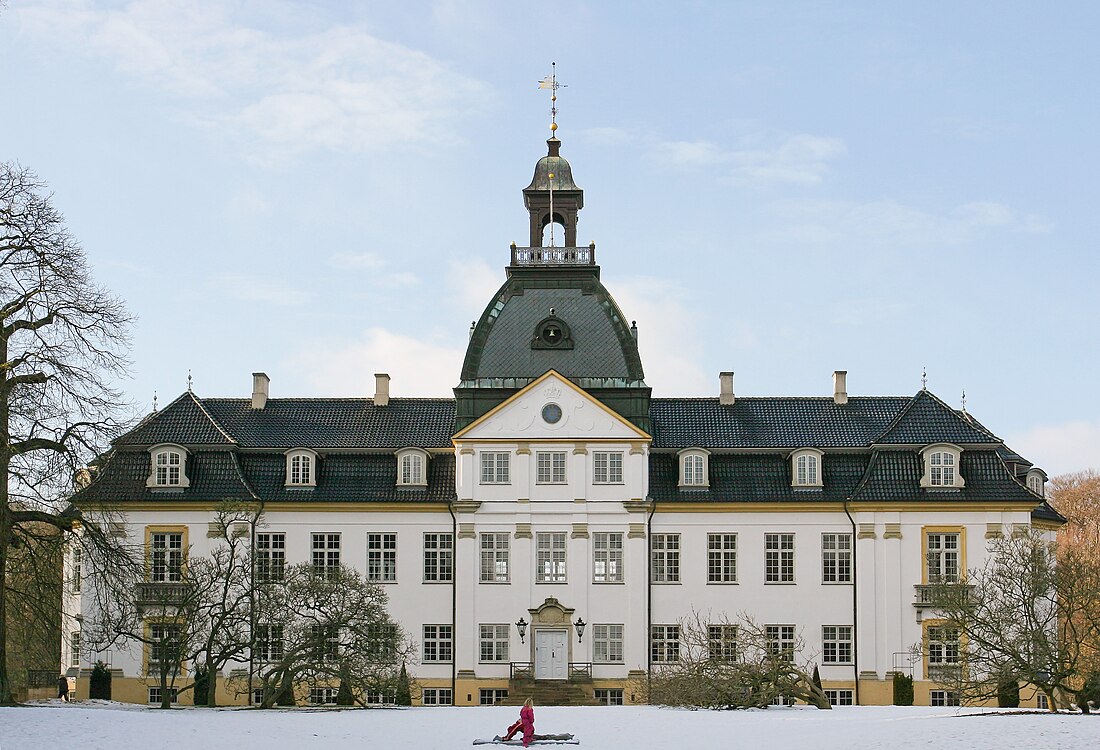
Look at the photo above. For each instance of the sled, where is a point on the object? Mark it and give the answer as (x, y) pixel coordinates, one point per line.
(539, 739)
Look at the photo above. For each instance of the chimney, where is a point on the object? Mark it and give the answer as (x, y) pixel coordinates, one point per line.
(260, 383)
(725, 394)
(381, 389)
(840, 388)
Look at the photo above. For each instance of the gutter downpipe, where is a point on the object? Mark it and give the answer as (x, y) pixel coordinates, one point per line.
(855, 604)
(649, 601)
(454, 598)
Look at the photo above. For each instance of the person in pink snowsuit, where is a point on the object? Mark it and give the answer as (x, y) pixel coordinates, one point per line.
(526, 723)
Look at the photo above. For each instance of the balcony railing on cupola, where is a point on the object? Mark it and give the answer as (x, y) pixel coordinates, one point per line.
(554, 256)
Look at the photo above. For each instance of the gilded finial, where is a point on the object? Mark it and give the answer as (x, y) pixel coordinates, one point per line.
(551, 82)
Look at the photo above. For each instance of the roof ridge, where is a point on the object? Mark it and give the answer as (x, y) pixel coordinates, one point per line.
(217, 425)
(774, 398)
(333, 398)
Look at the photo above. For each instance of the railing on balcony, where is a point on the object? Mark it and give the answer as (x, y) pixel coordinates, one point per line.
(554, 256)
(162, 593)
(525, 670)
(925, 593)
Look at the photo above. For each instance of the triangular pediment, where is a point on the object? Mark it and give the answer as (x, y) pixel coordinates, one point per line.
(530, 415)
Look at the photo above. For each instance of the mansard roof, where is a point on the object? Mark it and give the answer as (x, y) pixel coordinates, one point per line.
(772, 422)
(926, 419)
(214, 475)
(185, 421)
(893, 475)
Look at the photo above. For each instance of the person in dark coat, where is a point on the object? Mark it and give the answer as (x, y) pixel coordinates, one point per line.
(63, 688)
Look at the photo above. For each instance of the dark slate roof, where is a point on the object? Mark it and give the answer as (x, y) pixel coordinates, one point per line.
(766, 422)
(756, 478)
(344, 477)
(603, 346)
(185, 421)
(214, 475)
(323, 423)
(1045, 512)
(927, 420)
(895, 475)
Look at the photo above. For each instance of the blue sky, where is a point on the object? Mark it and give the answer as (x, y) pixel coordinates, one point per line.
(326, 190)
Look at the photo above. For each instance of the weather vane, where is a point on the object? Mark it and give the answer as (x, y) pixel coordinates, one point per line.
(964, 401)
(551, 82)
(924, 378)
(189, 380)
(154, 401)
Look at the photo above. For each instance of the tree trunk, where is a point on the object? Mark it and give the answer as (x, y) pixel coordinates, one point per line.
(211, 685)
(7, 698)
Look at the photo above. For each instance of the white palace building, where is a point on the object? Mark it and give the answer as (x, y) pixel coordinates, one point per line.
(553, 489)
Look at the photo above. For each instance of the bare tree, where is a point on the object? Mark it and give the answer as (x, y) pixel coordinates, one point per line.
(1028, 615)
(62, 341)
(322, 628)
(224, 581)
(724, 663)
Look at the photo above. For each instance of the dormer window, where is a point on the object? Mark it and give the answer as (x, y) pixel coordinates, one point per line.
(301, 468)
(806, 468)
(941, 467)
(412, 467)
(694, 470)
(168, 468)
(1035, 481)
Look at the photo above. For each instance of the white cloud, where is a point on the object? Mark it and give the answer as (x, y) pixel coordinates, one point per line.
(671, 345)
(373, 268)
(472, 283)
(356, 261)
(258, 289)
(416, 367)
(278, 95)
(1060, 448)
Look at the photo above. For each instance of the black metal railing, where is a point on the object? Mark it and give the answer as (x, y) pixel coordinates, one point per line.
(554, 256)
(525, 670)
(926, 593)
(162, 592)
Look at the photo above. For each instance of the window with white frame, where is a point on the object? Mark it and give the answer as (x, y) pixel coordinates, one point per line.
(382, 642)
(721, 558)
(942, 557)
(438, 557)
(326, 555)
(607, 644)
(664, 644)
(412, 468)
(665, 558)
(1042, 702)
(494, 467)
(780, 640)
(722, 642)
(943, 646)
(324, 642)
(168, 467)
(155, 694)
(166, 557)
(494, 557)
(693, 468)
(607, 557)
(607, 467)
(77, 561)
(806, 468)
(436, 697)
(840, 697)
(380, 697)
(943, 698)
(382, 557)
(836, 558)
(608, 696)
(491, 696)
(836, 644)
(437, 643)
(779, 558)
(270, 556)
(941, 467)
(74, 648)
(493, 642)
(550, 467)
(164, 645)
(1035, 481)
(301, 465)
(320, 696)
(550, 557)
(269, 644)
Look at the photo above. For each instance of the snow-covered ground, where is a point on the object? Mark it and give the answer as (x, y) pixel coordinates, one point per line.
(91, 726)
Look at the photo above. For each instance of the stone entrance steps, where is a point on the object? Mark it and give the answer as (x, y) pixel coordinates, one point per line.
(549, 692)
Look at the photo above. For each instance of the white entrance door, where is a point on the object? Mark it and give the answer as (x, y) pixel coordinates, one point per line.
(551, 657)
